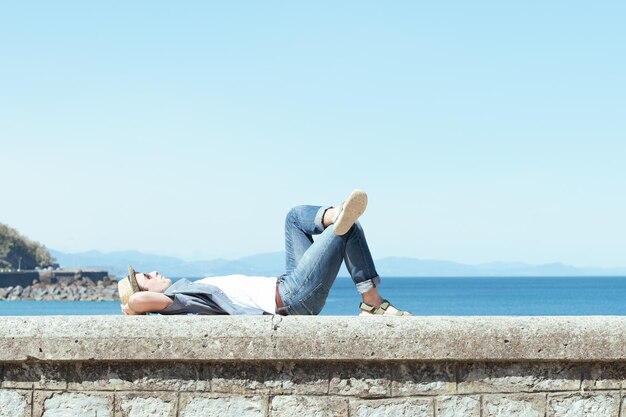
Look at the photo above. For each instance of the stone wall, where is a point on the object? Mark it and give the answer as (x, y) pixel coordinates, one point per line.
(21, 278)
(312, 366)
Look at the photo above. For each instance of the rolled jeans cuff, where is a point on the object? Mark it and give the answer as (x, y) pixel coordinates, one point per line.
(365, 286)
(319, 218)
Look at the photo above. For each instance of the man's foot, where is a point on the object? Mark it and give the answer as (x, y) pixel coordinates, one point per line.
(385, 309)
(350, 211)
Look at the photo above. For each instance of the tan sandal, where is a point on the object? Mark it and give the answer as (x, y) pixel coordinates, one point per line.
(370, 310)
(350, 211)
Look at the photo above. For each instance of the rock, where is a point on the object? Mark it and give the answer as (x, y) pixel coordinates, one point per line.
(83, 289)
(26, 292)
(87, 282)
(17, 291)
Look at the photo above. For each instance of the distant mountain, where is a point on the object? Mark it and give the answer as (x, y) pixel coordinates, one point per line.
(397, 267)
(273, 264)
(270, 264)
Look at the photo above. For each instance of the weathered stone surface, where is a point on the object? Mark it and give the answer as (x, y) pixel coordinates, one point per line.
(72, 404)
(185, 357)
(275, 378)
(529, 405)
(127, 338)
(35, 375)
(581, 405)
(135, 376)
(154, 404)
(405, 407)
(14, 403)
(206, 405)
(224, 338)
(421, 378)
(361, 380)
(300, 406)
(453, 338)
(458, 406)
(518, 377)
(603, 376)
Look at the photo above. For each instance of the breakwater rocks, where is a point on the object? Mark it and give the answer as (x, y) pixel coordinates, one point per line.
(79, 289)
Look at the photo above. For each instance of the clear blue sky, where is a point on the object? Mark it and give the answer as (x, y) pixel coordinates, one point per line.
(482, 131)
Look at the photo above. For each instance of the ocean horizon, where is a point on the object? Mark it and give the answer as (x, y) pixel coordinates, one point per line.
(423, 296)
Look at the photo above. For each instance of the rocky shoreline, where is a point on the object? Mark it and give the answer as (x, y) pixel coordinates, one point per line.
(80, 289)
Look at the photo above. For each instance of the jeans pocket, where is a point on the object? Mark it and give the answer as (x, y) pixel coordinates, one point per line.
(315, 300)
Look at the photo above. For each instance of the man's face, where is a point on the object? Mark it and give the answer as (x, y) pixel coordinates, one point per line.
(152, 281)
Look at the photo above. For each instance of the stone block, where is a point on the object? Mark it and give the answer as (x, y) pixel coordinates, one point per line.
(363, 338)
(369, 380)
(584, 405)
(301, 406)
(525, 405)
(153, 404)
(451, 338)
(397, 407)
(277, 378)
(146, 376)
(231, 338)
(457, 406)
(15, 403)
(210, 405)
(423, 378)
(128, 338)
(72, 404)
(603, 376)
(35, 375)
(518, 377)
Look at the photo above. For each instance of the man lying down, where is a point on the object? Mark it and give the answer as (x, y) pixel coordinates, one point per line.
(312, 266)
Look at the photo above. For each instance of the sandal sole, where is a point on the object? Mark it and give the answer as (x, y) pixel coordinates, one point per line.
(364, 313)
(353, 208)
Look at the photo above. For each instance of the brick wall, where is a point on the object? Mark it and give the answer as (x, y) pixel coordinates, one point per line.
(313, 389)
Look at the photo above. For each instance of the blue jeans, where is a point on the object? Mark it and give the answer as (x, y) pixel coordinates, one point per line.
(312, 265)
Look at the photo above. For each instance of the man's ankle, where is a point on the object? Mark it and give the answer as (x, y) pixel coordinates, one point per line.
(373, 299)
(329, 216)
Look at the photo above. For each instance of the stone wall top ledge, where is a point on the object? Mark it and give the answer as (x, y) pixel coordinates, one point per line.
(224, 338)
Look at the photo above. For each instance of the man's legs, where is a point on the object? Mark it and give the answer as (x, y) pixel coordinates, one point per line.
(300, 224)
(313, 266)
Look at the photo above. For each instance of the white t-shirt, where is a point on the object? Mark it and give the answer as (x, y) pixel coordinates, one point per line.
(253, 294)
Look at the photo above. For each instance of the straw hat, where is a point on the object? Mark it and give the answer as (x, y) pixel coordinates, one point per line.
(128, 286)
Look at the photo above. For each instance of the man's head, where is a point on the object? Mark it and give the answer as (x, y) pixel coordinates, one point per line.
(152, 281)
(141, 281)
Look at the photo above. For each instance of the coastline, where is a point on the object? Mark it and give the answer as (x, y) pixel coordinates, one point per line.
(79, 289)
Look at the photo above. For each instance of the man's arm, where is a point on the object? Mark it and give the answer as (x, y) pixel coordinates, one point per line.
(145, 302)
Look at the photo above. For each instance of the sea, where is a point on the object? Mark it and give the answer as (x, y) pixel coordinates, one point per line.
(489, 296)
